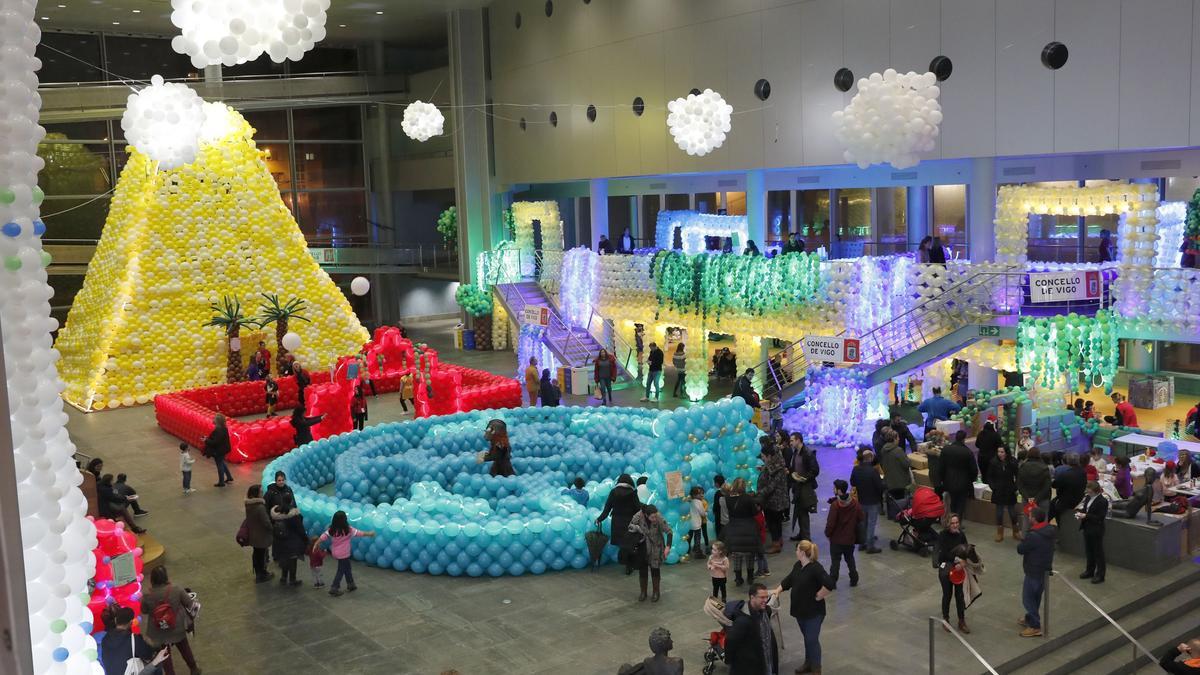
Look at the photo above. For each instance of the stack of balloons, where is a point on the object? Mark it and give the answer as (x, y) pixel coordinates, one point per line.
(115, 541)
(436, 510)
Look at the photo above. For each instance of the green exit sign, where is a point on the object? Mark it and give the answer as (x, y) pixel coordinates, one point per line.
(989, 331)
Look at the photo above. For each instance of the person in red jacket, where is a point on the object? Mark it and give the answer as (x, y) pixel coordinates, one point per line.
(842, 529)
(358, 407)
(1125, 415)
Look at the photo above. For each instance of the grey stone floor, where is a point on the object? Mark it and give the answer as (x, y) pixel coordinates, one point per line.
(565, 622)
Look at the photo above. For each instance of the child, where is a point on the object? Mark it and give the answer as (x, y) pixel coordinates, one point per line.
(718, 568)
(316, 560)
(340, 534)
(272, 390)
(1027, 441)
(1088, 410)
(406, 392)
(358, 407)
(697, 516)
(775, 410)
(761, 558)
(185, 466)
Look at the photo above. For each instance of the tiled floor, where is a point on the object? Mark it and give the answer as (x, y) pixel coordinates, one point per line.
(568, 622)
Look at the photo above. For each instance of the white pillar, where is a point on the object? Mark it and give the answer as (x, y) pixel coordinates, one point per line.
(1137, 359)
(981, 210)
(918, 215)
(598, 193)
(756, 207)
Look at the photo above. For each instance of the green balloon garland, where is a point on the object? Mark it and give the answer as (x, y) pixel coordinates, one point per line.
(1049, 347)
(707, 284)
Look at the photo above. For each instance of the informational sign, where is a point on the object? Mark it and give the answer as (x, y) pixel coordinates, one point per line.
(537, 316)
(123, 569)
(352, 371)
(831, 350)
(989, 331)
(1060, 286)
(674, 484)
(235, 344)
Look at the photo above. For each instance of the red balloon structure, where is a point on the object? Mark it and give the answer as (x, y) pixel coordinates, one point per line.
(114, 541)
(188, 415)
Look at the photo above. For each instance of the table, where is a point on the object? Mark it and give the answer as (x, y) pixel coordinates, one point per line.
(1155, 441)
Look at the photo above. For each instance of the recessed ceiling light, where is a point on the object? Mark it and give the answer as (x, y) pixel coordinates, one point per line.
(137, 11)
(116, 23)
(379, 12)
(45, 18)
(341, 25)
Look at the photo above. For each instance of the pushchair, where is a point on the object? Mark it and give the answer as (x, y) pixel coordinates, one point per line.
(916, 517)
(722, 613)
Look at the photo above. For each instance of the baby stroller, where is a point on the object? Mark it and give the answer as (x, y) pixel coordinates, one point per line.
(916, 519)
(722, 613)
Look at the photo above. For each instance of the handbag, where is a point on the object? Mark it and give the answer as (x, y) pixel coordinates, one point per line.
(134, 666)
(243, 534)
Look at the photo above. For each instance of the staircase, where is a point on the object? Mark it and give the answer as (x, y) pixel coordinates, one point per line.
(573, 347)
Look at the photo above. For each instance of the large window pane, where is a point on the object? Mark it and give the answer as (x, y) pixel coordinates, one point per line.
(893, 221)
(706, 202)
(278, 159)
(1054, 238)
(261, 67)
(140, 58)
(68, 57)
(340, 123)
(950, 217)
(735, 204)
(650, 209)
(329, 165)
(677, 203)
(779, 214)
(80, 218)
(1181, 188)
(78, 131)
(812, 218)
(333, 218)
(854, 221)
(74, 168)
(1179, 357)
(269, 125)
(326, 60)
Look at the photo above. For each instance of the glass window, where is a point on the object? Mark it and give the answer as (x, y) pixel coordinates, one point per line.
(141, 58)
(950, 217)
(706, 202)
(74, 218)
(620, 216)
(74, 168)
(77, 131)
(65, 286)
(1092, 226)
(1179, 357)
(853, 221)
(893, 221)
(1054, 238)
(1181, 188)
(329, 165)
(650, 209)
(269, 125)
(333, 218)
(326, 60)
(584, 208)
(328, 124)
(278, 160)
(735, 203)
(263, 66)
(69, 57)
(677, 203)
(812, 218)
(779, 214)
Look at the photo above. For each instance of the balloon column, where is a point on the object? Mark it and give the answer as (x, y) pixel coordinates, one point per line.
(1070, 345)
(56, 536)
(174, 242)
(838, 407)
(420, 486)
(117, 555)
(893, 118)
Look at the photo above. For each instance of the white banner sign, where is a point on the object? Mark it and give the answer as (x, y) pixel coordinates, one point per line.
(538, 316)
(831, 350)
(1062, 286)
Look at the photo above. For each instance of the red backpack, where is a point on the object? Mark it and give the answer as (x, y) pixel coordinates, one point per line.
(163, 615)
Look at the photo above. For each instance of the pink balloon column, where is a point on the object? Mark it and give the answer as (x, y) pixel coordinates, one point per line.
(114, 540)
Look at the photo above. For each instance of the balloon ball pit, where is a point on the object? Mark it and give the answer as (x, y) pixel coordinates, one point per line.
(435, 509)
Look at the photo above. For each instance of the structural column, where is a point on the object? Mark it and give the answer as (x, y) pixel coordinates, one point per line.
(598, 197)
(472, 146)
(1137, 358)
(756, 207)
(981, 210)
(918, 220)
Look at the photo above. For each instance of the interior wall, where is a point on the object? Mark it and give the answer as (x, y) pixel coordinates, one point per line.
(417, 298)
(1129, 83)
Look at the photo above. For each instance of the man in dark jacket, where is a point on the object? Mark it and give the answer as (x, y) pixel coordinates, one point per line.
(654, 372)
(117, 648)
(958, 472)
(907, 442)
(1190, 650)
(744, 388)
(1069, 487)
(1037, 551)
(1091, 521)
(866, 479)
(803, 470)
(987, 442)
(750, 647)
(720, 511)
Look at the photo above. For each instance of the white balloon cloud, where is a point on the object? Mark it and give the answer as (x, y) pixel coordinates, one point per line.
(422, 121)
(229, 32)
(291, 341)
(699, 123)
(163, 121)
(893, 118)
(360, 286)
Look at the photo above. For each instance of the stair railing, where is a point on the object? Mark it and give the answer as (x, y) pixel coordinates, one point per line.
(612, 340)
(933, 623)
(555, 325)
(1138, 648)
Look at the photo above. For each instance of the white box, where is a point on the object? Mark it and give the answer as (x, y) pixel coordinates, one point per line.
(581, 379)
(949, 427)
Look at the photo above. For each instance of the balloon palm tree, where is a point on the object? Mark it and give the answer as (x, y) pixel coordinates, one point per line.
(271, 311)
(228, 316)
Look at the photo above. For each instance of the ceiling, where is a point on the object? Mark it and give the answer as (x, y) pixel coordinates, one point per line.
(412, 23)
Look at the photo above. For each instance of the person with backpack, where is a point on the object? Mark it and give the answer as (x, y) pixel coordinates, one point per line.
(259, 532)
(166, 619)
(339, 535)
(120, 647)
(289, 539)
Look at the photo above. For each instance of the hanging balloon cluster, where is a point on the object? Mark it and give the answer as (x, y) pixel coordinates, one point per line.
(715, 284)
(447, 225)
(164, 121)
(699, 122)
(229, 32)
(1070, 345)
(893, 118)
(422, 121)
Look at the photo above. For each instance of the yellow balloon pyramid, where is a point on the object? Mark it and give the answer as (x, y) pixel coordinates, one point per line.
(175, 242)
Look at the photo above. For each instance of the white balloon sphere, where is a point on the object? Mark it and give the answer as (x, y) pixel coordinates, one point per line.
(291, 341)
(360, 286)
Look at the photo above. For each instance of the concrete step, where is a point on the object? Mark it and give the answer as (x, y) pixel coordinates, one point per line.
(1164, 633)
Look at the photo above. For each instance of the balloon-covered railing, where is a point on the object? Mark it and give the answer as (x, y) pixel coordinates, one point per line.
(419, 485)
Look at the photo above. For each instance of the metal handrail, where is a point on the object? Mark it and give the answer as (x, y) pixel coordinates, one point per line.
(933, 622)
(1138, 646)
(556, 324)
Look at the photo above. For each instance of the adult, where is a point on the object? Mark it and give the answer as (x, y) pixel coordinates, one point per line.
(719, 508)
(278, 491)
(809, 585)
(639, 346)
(841, 527)
(122, 487)
(923, 249)
(302, 382)
(1033, 479)
(532, 383)
(773, 491)
(1069, 488)
(937, 252)
(254, 372)
(1190, 666)
(656, 538)
(167, 620)
(289, 539)
(725, 364)
(877, 436)
(358, 407)
(259, 532)
(865, 478)
(548, 391)
(622, 504)
(1002, 479)
(803, 470)
(750, 647)
(216, 445)
(1037, 559)
(1091, 517)
(96, 467)
(741, 532)
(897, 471)
(751, 248)
(959, 472)
(946, 563)
(937, 409)
(604, 246)
(605, 371)
(625, 243)
(904, 435)
(302, 426)
(654, 365)
(678, 360)
(120, 644)
(1124, 415)
(744, 389)
(1186, 468)
(112, 505)
(499, 449)
(1104, 248)
(987, 442)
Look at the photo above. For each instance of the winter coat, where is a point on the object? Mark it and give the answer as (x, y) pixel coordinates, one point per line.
(804, 464)
(217, 443)
(290, 539)
(302, 428)
(841, 526)
(773, 484)
(622, 503)
(1002, 479)
(655, 360)
(741, 533)
(907, 442)
(110, 503)
(612, 368)
(1033, 480)
(744, 390)
(987, 442)
(275, 495)
(501, 458)
(118, 646)
(958, 469)
(743, 645)
(1069, 488)
(550, 394)
(866, 479)
(657, 536)
(258, 523)
(897, 471)
(1037, 550)
(179, 600)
